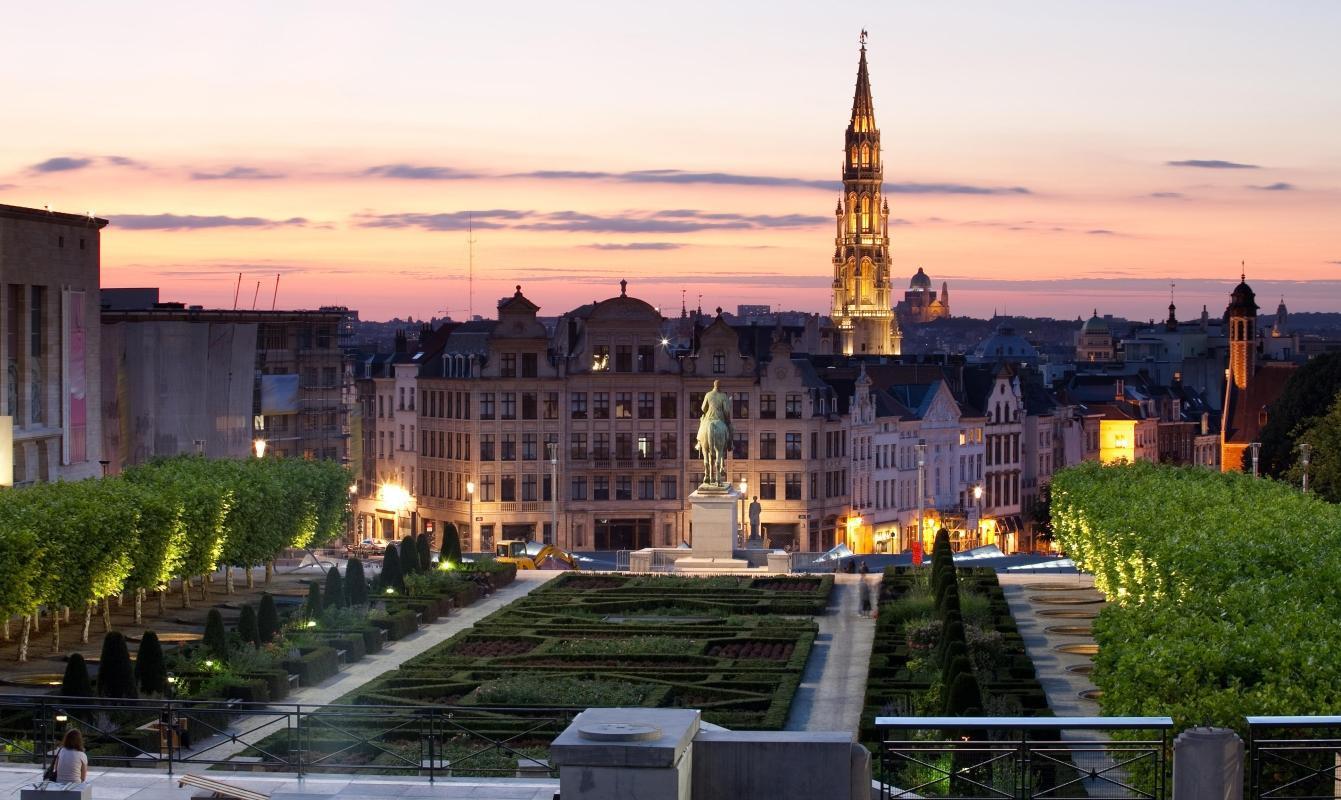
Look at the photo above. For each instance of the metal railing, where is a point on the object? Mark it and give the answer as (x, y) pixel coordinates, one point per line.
(173, 735)
(1023, 758)
(1294, 758)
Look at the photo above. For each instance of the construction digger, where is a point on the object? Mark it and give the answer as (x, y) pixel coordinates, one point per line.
(533, 555)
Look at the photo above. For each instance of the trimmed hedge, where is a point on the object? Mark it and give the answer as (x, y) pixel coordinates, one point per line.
(314, 665)
(398, 624)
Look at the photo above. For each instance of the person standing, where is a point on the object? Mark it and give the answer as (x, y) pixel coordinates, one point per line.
(71, 760)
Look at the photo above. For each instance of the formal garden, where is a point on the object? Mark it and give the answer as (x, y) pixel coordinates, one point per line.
(1222, 589)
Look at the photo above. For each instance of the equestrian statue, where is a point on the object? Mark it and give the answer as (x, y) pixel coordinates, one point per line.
(714, 439)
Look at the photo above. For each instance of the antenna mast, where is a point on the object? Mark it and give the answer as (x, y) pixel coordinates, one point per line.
(237, 290)
(275, 297)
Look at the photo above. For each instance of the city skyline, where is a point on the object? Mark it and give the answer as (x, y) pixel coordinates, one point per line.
(1043, 163)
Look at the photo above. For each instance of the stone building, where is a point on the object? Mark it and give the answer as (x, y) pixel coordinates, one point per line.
(1253, 384)
(1094, 340)
(921, 303)
(50, 391)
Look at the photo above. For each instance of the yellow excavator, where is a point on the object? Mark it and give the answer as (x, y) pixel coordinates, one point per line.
(533, 555)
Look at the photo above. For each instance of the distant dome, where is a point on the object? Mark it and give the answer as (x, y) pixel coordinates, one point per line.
(1005, 345)
(1243, 299)
(1095, 324)
(920, 281)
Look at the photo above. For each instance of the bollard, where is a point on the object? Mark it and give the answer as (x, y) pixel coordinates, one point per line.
(1207, 765)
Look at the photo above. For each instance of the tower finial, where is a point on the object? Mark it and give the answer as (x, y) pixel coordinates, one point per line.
(1243, 272)
(862, 38)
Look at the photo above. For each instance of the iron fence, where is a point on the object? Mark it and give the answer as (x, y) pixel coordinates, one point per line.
(1024, 758)
(427, 740)
(1294, 758)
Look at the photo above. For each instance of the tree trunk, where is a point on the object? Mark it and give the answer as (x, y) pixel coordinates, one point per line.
(139, 606)
(228, 579)
(186, 592)
(251, 578)
(23, 637)
(269, 571)
(6, 629)
(37, 620)
(120, 599)
(106, 614)
(162, 600)
(88, 620)
(56, 634)
(205, 588)
(67, 613)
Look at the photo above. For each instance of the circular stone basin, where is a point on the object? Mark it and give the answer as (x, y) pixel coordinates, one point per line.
(1078, 649)
(1081, 669)
(1070, 630)
(1091, 694)
(43, 679)
(1066, 601)
(1056, 587)
(1067, 613)
(174, 637)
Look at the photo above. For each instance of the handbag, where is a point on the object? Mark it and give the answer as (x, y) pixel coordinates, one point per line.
(50, 774)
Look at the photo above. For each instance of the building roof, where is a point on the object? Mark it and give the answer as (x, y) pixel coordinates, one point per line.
(1005, 345)
(1242, 300)
(1095, 324)
(863, 107)
(1246, 411)
(920, 281)
(54, 217)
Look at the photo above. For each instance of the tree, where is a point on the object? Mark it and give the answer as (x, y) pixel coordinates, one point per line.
(1323, 435)
(1309, 393)
(116, 676)
(335, 590)
(451, 545)
(216, 638)
(391, 574)
(425, 546)
(151, 671)
(247, 628)
(267, 619)
(409, 556)
(964, 696)
(75, 682)
(356, 586)
(312, 608)
(162, 542)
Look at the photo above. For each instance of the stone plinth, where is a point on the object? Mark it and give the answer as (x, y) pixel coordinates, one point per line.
(618, 753)
(716, 522)
(1208, 765)
(731, 765)
(779, 563)
(59, 791)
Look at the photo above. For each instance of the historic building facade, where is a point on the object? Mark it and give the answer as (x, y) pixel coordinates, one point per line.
(1252, 384)
(921, 303)
(862, 303)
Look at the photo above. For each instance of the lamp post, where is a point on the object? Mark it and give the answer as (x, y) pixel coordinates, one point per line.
(470, 524)
(553, 493)
(744, 485)
(977, 525)
(1255, 446)
(921, 449)
(1305, 450)
(258, 446)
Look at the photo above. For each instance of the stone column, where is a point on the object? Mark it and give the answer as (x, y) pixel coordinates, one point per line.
(1207, 765)
(619, 753)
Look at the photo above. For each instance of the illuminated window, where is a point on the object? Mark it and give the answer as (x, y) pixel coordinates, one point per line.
(865, 155)
(600, 358)
(865, 213)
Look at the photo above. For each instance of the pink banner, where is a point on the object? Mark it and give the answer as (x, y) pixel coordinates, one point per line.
(74, 336)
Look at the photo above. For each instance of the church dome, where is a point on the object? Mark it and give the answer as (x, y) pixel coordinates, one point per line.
(921, 281)
(1243, 300)
(1005, 345)
(1095, 324)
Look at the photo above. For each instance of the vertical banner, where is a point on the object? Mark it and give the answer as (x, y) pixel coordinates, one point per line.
(76, 429)
(6, 451)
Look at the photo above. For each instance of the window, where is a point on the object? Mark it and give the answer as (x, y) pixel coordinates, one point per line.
(740, 405)
(793, 446)
(528, 405)
(623, 405)
(600, 489)
(600, 405)
(528, 488)
(330, 381)
(646, 358)
(623, 487)
(486, 405)
(551, 405)
(547, 493)
(645, 447)
(768, 406)
(646, 488)
(600, 358)
(719, 362)
(793, 406)
(669, 487)
(529, 362)
(624, 445)
(794, 485)
(623, 358)
(768, 445)
(578, 487)
(695, 405)
(509, 491)
(509, 406)
(528, 446)
(577, 447)
(508, 451)
(768, 486)
(600, 445)
(668, 404)
(577, 405)
(740, 445)
(486, 447)
(646, 405)
(668, 445)
(487, 489)
(509, 366)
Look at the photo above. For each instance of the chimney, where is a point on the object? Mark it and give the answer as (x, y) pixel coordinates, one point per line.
(1119, 389)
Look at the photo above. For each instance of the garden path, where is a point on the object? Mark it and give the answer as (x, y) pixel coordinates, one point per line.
(391, 657)
(833, 686)
(1062, 686)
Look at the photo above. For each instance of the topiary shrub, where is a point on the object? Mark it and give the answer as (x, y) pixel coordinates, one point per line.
(335, 589)
(356, 585)
(216, 638)
(425, 547)
(312, 608)
(965, 696)
(451, 545)
(75, 682)
(247, 627)
(151, 670)
(116, 676)
(391, 577)
(409, 556)
(267, 619)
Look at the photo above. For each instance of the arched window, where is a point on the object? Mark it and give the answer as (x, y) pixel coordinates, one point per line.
(865, 154)
(865, 212)
(852, 212)
(854, 155)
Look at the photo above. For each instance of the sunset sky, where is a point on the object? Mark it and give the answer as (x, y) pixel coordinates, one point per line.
(1043, 157)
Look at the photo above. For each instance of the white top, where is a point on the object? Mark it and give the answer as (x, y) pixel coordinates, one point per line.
(70, 765)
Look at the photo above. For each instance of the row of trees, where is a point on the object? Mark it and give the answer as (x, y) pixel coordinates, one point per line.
(1222, 591)
(414, 554)
(77, 545)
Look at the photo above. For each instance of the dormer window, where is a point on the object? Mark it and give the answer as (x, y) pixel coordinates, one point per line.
(719, 362)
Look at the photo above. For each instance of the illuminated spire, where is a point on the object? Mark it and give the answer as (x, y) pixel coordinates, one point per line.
(863, 109)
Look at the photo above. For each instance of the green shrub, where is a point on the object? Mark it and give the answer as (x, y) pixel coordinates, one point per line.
(409, 556)
(314, 666)
(451, 545)
(267, 619)
(356, 585)
(392, 577)
(964, 697)
(116, 676)
(398, 624)
(561, 690)
(247, 628)
(312, 607)
(151, 671)
(75, 682)
(335, 590)
(424, 545)
(216, 638)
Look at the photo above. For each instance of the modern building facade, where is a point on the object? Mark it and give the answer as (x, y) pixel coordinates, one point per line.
(50, 390)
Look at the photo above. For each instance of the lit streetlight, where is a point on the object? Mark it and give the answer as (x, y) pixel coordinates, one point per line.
(977, 525)
(744, 485)
(1305, 450)
(258, 446)
(1255, 447)
(470, 524)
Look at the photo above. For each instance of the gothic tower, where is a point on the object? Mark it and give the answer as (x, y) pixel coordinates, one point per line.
(1242, 313)
(862, 308)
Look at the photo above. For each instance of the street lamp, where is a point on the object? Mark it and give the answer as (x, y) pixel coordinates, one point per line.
(1305, 450)
(921, 448)
(977, 525)
(470, 524)
(554, 493)
(1255, 446)
(258, 446)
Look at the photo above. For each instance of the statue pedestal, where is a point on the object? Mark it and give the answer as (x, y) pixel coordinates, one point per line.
(716, 523)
